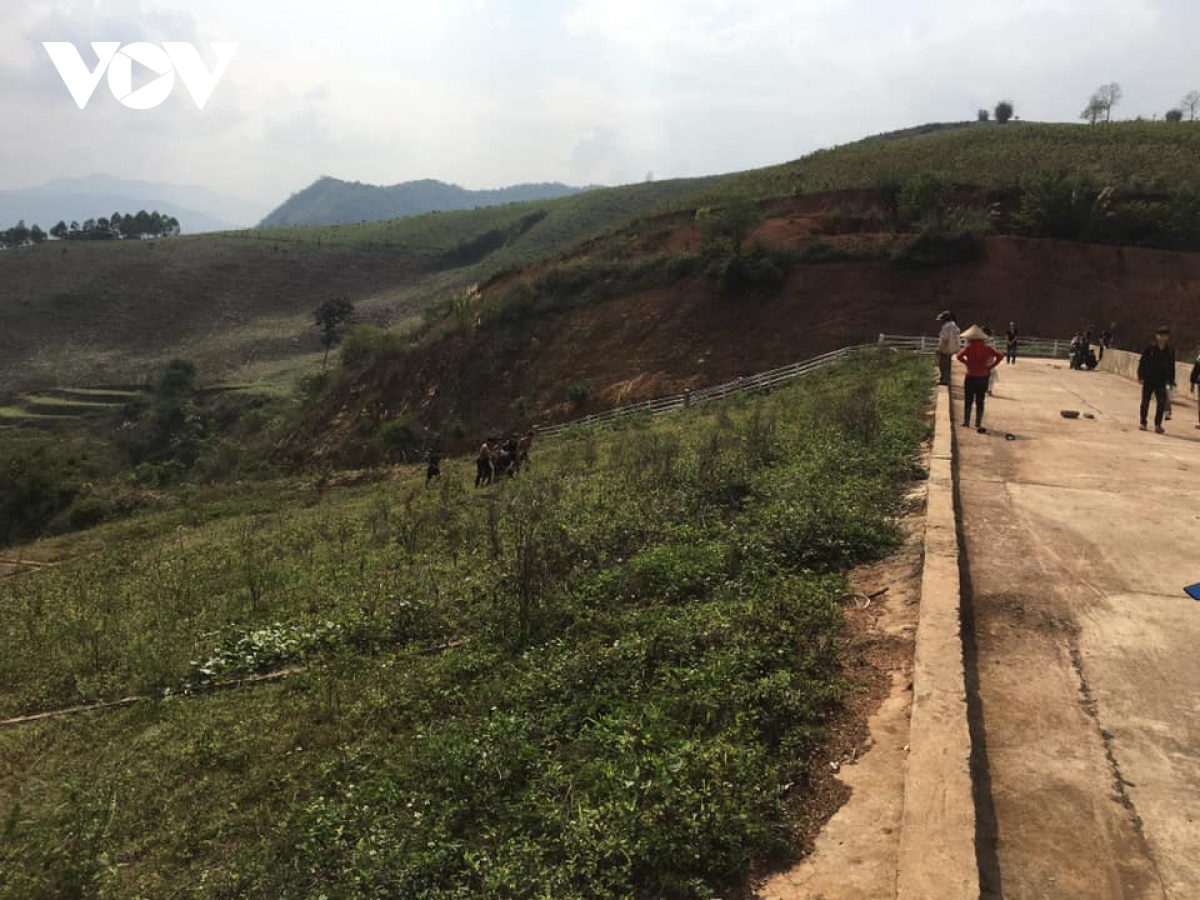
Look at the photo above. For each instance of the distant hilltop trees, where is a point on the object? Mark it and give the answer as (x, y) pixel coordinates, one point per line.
(118, 227)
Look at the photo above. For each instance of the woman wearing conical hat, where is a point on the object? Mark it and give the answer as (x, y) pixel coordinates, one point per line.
(979, 359)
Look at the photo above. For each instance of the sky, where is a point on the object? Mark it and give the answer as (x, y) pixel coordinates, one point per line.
(486, 93)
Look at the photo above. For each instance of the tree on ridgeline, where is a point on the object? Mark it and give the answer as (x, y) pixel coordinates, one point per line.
(1191, 103)
(984, 115)
(1174, 115)
(1004, 112)
(1103, 102)
(332, 317)
(1093, 112)
(120, 226)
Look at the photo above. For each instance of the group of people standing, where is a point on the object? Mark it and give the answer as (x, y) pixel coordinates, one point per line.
(1083, 347)
(1156, 368)
(498, 459)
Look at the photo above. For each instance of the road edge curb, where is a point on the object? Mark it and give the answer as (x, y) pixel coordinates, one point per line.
(937, 838)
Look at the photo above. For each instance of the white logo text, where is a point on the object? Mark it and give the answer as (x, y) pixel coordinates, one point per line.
(165, 62)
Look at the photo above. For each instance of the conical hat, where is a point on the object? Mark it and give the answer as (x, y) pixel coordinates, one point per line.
(975, 333)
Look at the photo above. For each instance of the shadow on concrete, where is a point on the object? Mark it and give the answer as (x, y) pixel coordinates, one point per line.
(986, 828)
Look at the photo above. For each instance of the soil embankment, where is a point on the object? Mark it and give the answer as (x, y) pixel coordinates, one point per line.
(670, 339)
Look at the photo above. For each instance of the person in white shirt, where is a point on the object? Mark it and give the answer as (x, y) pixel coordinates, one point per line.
(948, 344)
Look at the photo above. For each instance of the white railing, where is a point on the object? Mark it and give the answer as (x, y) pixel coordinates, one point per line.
(1033, 347)
(765, 381)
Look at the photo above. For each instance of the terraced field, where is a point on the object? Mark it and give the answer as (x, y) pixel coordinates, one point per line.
(65, 406)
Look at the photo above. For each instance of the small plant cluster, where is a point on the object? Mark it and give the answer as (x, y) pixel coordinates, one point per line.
(264, 650)
(583, 283)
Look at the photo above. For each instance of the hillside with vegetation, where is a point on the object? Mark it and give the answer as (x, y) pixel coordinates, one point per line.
(330, 201)
(240, 304)
(617, 675)
(1133, 157)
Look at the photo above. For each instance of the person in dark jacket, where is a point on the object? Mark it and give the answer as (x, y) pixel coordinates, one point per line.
(1011, 342)
(1195, 380)
(1156, 375)
(483, 465)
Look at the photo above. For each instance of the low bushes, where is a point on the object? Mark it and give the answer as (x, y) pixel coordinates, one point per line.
(591, 681)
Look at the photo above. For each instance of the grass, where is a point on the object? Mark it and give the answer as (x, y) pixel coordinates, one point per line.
(102, 395)
(64, 405)
(17, 413)
(588, 682)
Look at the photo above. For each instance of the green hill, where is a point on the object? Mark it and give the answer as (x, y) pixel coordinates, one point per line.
(600, 694)
(239, 303)
(330, 201)
(1137, 156)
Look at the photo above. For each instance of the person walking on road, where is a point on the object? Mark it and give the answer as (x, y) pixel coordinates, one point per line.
(1010, 344)
(1156, 375)
(980, 359)
(948, 344)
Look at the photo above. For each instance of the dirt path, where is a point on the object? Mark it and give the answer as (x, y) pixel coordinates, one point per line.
(1079, 538)
(855, 856)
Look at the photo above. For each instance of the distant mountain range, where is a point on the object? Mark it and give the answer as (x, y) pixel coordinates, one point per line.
(93, 196)
(330, 201)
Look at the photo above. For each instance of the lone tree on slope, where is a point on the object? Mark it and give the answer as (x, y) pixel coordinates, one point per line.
(1191, 103)
(1093, 112)
(1004, 112)
(984, 115)
(1174, 115)
(1107, 97)
(332, 317)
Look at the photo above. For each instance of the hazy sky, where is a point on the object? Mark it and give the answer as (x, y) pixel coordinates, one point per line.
(493, 92)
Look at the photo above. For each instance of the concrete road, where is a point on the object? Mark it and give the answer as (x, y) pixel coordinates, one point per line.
(1080, 536)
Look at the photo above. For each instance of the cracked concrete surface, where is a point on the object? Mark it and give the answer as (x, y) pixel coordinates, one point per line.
(1079, 538)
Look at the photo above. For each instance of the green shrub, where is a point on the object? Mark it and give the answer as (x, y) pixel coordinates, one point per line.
(957, 239)
(400, 439)
(579, 392)
(1056, 206)
(364, 345)
(39, 480)
(310, 387)
(923, 199)
(675, 573)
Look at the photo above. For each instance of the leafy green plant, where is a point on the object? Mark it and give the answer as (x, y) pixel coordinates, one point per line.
(579, 392)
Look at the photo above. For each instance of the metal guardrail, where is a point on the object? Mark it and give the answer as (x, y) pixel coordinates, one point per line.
(764, 381)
